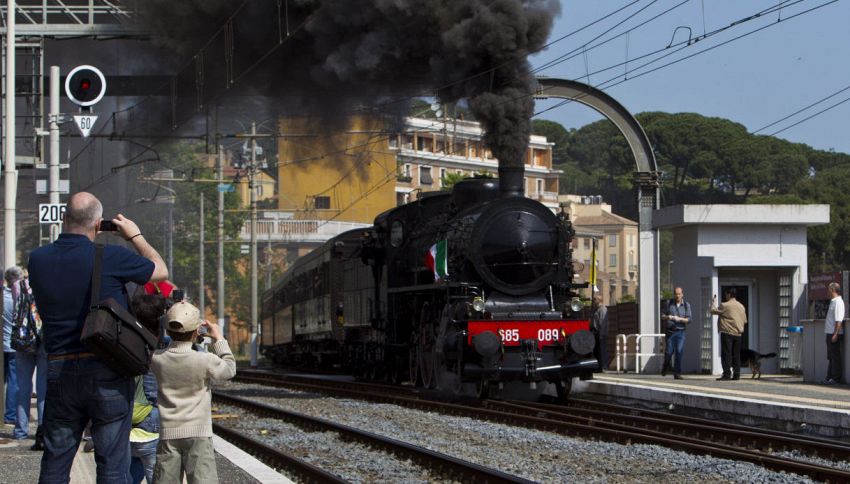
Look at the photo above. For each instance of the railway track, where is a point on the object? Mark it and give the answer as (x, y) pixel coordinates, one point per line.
(696, 436)
(441, 464)
(276, 458)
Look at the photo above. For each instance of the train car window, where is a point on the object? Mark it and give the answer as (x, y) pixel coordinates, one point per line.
(396, 233)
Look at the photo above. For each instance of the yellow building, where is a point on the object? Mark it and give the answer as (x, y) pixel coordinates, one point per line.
(263, 181)
(616, 245)
(347, 174)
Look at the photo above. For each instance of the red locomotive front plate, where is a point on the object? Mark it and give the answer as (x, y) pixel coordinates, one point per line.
(546, 333)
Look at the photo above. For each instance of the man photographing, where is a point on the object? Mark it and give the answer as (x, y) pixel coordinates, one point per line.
(80, 387)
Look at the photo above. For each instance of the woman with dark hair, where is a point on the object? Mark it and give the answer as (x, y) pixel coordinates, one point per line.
(144, 435)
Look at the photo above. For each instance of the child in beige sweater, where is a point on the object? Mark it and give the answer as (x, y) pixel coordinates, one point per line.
(184, 375)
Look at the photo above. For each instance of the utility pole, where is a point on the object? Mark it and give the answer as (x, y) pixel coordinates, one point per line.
(53, 176)
(10, 171)
(269, 262)
(201, 291)
(169, 235)
(252, 173)
(220, 235)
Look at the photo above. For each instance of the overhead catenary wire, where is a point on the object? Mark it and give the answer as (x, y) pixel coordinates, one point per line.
(749, 18)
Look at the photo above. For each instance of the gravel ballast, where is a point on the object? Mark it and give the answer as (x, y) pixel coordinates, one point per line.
(533, 454)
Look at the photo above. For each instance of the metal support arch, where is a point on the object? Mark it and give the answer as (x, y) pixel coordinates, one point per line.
(647, 181)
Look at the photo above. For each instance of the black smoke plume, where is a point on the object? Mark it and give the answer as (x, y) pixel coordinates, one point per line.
(331, 56)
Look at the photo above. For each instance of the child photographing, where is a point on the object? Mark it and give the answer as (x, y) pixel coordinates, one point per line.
(184, 377)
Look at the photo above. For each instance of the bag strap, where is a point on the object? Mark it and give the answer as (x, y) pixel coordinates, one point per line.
(95, 275)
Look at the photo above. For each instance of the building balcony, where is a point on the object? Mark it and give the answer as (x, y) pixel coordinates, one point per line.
(297, 231)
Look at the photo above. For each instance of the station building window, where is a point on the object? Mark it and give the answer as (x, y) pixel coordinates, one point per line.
(425, 176)
(612, 240)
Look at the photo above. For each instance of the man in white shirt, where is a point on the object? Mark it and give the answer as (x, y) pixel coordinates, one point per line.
(834, 328)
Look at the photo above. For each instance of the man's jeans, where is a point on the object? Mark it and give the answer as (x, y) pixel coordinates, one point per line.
(27, 363)
(143, 461)
(11, 380)
(674, 347)
(79, 390)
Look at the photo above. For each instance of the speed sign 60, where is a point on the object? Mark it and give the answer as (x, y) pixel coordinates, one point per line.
(51, 213)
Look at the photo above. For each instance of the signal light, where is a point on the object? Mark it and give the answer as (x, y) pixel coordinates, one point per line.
(85, 85)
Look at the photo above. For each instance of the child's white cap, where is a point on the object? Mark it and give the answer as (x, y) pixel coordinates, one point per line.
(182, 318)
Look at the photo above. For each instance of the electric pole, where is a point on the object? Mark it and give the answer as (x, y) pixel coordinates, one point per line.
(10, 172)
(220, 235)
(201, 291)
(252, 172)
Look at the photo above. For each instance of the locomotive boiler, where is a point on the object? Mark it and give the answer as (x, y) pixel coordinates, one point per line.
(475, 285)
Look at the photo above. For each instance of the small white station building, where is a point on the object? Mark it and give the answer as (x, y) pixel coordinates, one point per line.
(761, 252)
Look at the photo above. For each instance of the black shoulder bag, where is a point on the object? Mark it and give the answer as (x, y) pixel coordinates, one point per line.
(113, 334)
(25, 333)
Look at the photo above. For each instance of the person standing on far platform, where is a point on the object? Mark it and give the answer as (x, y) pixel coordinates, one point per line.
(731, 321)
(677, 314)
(834, 328)
(599, 327)
(12, 276)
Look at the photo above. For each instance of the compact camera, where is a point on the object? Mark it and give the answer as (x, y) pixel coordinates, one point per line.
(107, 226)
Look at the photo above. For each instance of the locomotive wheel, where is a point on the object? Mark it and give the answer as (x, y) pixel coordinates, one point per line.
(394, 373)
(413, 360)
(482, 389)
(563, 388)
(426, 343)
(426, 367)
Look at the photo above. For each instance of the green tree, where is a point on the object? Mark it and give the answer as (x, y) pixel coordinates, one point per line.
(189, 159)
(449, 180)
(554, 133)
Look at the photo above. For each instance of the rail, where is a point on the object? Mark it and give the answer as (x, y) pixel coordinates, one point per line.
(623, 353)
(736, 444)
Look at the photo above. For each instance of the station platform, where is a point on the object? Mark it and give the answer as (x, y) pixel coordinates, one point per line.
(781, 402)
(20, 464)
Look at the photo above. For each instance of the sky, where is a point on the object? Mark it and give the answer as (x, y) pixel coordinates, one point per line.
(755, 80)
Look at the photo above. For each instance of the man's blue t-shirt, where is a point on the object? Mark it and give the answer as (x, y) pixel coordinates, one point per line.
(60, 277)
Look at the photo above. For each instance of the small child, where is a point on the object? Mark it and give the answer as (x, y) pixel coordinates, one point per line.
(184, 376)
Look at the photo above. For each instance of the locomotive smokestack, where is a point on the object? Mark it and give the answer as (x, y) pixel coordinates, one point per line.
(511, 182)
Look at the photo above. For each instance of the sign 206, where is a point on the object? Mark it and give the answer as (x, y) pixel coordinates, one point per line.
(51, 213)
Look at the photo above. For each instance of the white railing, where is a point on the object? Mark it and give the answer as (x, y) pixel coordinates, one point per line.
(623, 353)
(283, 230)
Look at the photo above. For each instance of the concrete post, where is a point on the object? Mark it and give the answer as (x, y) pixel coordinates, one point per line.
(220, 237)
(201, 292)
(252, 172)
(53, 178)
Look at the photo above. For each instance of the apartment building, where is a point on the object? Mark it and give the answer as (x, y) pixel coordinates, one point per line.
(429, 150)
(616, 245)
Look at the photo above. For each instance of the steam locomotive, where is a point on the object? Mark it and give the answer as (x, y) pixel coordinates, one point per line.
(475, 285)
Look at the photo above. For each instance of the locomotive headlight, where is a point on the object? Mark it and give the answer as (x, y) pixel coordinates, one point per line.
(478, 304)
(576, 305)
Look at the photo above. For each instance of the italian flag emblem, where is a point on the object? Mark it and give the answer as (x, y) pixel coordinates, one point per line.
(437, 260)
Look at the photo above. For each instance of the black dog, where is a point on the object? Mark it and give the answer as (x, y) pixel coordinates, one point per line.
(753, 359)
